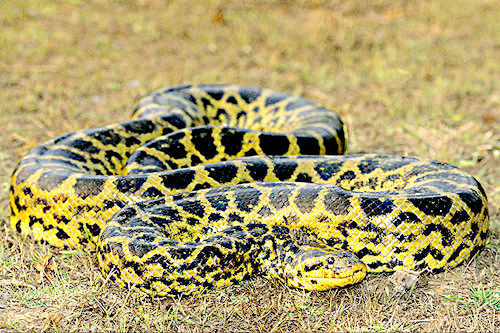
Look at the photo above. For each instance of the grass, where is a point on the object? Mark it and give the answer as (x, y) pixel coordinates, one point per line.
(478, 297)
(416, 78)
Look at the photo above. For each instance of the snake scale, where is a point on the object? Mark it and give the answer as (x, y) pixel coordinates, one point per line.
(207, 185)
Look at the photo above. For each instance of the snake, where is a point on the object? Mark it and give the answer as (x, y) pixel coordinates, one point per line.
(208, 185)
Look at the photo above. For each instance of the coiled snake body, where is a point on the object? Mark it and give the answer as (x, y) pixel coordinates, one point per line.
(208, 184)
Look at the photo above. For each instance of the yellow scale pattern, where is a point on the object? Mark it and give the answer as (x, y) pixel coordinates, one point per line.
(176, 203)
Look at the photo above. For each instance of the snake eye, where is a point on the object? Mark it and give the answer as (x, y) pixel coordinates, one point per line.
(330, 260)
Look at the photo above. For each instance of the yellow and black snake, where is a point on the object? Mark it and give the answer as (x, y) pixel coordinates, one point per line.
(208, 184)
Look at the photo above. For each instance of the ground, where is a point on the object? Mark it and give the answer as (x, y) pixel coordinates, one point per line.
(411, 77)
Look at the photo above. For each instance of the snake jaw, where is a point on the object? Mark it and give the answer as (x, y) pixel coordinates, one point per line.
(323, 270)
(329, 279)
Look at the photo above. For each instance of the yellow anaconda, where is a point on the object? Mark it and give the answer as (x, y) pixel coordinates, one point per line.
(209, 184)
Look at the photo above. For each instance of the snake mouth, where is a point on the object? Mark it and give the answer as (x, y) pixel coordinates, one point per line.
(325, 279)
(337, 275)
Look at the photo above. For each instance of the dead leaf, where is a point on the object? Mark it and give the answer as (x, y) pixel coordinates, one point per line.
(45, 268)
(52, 319)
(403, 281)
(219, 18)
(489, 117)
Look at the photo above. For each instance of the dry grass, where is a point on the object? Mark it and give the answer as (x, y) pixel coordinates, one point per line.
(415, 77)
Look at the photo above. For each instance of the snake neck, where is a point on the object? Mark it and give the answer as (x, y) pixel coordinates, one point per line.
(305, 266)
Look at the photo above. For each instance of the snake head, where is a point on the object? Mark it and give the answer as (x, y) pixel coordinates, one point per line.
(318, 269)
